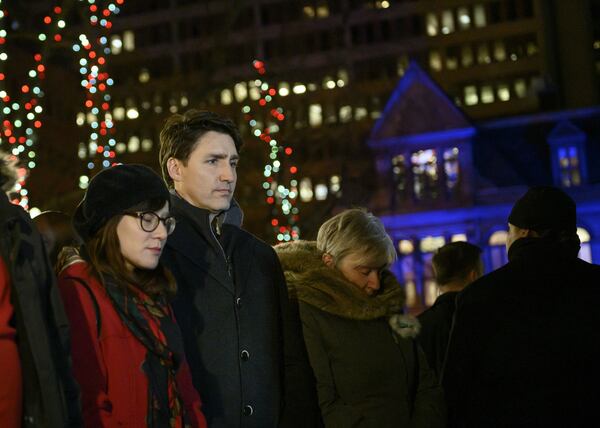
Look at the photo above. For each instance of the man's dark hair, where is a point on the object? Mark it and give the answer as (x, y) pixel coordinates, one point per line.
(181, 132)
(455, 260)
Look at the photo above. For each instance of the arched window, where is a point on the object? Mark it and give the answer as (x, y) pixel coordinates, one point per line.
(428, 246)
(407, 271)
(497, 248)
(585, 252)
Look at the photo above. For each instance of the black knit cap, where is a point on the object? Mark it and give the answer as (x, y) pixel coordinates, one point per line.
(114, 190)
(544, 208)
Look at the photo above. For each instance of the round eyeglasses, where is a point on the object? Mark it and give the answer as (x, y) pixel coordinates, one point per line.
(149, 221)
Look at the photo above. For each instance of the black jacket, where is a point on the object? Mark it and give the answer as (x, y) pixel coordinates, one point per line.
(50, 393)
(435, 329)
(524, 347)
(245, 351)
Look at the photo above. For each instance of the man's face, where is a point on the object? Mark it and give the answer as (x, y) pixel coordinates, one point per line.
(514, 233)
(208, 178)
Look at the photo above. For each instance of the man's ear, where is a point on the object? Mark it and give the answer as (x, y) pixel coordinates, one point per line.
(328, 260)
(174, 169)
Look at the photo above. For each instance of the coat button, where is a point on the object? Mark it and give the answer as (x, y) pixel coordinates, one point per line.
(238, 302)
(248, 410)
(245, 355)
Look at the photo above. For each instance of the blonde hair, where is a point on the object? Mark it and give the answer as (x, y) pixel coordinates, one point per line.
(356, 231)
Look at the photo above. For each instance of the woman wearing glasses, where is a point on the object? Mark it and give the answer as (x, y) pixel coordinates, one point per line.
(127, 349)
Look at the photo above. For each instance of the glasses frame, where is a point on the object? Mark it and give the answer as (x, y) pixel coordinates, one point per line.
(165, 220)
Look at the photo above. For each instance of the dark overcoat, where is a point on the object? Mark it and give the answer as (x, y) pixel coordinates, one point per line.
(245, 351)
(524, 348)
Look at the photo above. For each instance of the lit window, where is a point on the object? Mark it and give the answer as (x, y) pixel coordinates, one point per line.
(146, 144)
(184, 101)
(132, 113)
(405, 246)
(466, 54)
(360, 113)
(568, 161)
(284, 89)
(345, 114)
(479, 15)
(116, 44)
(459, 237)
(322, 11)
(226, 97)
(144, 75)
(80, 120)
(520, 88)
(532, 48)
(120, 147)
(321, 192)
(498, 238)
(503, 92)
(451, 167)
(464, 19)
(425, 174)
(451, 62)
(309, 11)
(299, 88)
(487, 94)
(91, 118)
(81, 151)
(342, 78)
(497, 244)
(306, 192)
(431, 243)
(254, 90)
(435, 60)
(402, 65)
(315, 115)
(585, 252)
(128, 41)
(407, 265)
(399, 172)
(447, 22)
(335, 185)
(240, 91)
(483, 54)
(499, 51)
(432, 24)
(328, 83)
(471, 97)
(133, 145)
(119, 113)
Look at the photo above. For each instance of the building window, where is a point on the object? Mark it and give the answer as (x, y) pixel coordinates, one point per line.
(487, 94)
(471, 97)
(432, 24)
(315, 115)
(428, 246)
(321, 192)
(345, 114)
(451, 167)
(226, 97)
(447, 22)
(399, 174)
(568, 161)
(241, 91)
(425, 174)
(133, 145)
(407, 272)
(466, 55)
(128, 41)
(479, 15)
(335, 185)
(306, 192)
(464, 19)
(116, 44)
(483, 54)
(435, 60)
(497, 247)
(503, 92)
(499, 51)
(520, 88)
(585, 252)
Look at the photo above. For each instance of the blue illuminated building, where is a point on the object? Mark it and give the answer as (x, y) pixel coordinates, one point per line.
(444, 178)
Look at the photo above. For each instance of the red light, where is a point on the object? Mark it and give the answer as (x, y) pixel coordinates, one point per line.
(102, 86)
(258, 64)
(12, 140)
(288, 151)
(293, 169)
(89, 103)
(37, 57)
(272, 92)
(120, 1)
(27, 106)
(57, 37)
(24, 89)
(92, 54)
(100, 149)
(103, 132)
(280, 117)
(108, 24)
(261, 71)
(262, 102)
(2, 76)
(274, 222)
(37, 124)
(41, 68)
(101, 60)
(105, 106)
(57, 10)
(282, 229)
(6, 99)
(270, 200)
(7, 132)
(93, 8)
(22, 140)
(2, 40)
(112, 154)
(47, 20)
(106, 12)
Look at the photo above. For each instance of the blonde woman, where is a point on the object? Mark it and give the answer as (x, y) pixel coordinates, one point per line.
(368, 374)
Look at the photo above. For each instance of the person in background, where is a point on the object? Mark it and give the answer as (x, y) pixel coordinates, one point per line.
(57, 232)
(369, 373)
(37, 388)
(524, 348)
(244, 346)
(455, 265)
(127, 348)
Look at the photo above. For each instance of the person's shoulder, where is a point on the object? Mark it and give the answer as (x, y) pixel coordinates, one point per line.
(485, 287)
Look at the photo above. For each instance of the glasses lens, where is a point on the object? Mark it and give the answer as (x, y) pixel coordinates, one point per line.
(170, 223)
(149, 221)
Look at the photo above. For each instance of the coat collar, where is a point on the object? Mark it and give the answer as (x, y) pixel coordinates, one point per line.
(310, 281)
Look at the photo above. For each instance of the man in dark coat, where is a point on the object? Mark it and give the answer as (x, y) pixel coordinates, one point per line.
(455, 265)
(524, 346)
(244, 348)
(36, 384)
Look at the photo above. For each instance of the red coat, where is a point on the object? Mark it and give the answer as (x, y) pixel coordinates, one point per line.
(108, 368)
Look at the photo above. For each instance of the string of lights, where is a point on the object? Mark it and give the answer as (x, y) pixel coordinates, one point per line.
(282, 198)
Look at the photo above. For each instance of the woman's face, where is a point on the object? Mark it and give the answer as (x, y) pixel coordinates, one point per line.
(364, 276)
(139, 248)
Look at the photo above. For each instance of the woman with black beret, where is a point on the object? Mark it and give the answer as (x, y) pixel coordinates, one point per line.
(127, 349)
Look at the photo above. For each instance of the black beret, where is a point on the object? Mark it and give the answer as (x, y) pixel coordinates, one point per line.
(544, 208)
(112, 191)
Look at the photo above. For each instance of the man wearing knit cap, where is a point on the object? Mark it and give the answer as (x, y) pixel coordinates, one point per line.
(524, 346)
(244, 348)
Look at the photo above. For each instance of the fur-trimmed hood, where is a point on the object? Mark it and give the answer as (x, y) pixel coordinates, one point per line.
(310, 281)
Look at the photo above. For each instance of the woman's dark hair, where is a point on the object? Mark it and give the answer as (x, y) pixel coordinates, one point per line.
(103, 252)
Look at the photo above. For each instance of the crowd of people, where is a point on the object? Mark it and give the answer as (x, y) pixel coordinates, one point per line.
(153, 307)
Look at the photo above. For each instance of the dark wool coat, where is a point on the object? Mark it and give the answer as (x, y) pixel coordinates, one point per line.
(367, 376)
(245, 351)
(435, 329)
(50, 394)
(108, 358)
(524, 348)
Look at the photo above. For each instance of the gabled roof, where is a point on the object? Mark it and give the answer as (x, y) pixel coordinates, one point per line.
(417, 106)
